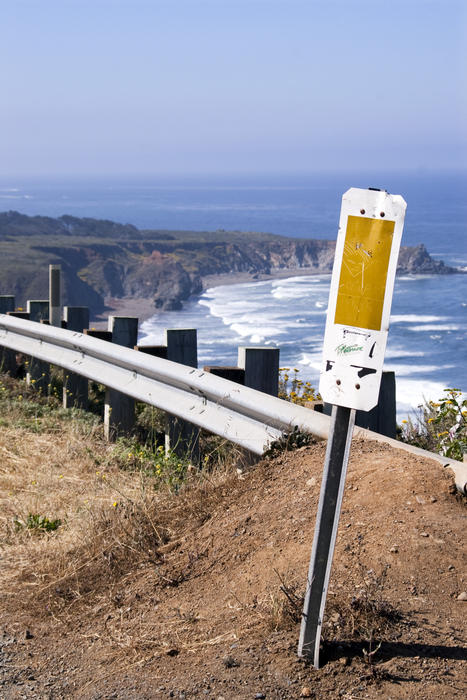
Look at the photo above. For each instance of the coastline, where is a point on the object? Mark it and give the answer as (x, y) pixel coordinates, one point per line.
(143, 308)
(139, 307)
(239, 277)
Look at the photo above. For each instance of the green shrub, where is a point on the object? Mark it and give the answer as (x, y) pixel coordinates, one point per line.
(165, 467)
(38, 523)
(440, 426)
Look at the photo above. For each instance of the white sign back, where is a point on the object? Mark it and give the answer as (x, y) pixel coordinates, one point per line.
(367, 249)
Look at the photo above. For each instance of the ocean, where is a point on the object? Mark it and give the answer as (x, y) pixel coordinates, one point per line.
(427, 346)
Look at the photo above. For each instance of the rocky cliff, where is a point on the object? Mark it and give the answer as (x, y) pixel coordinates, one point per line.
(103, 259)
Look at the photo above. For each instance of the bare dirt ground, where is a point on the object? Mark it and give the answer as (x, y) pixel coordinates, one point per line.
(206, 602)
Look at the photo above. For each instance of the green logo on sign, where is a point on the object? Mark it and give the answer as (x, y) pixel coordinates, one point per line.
(344, 349)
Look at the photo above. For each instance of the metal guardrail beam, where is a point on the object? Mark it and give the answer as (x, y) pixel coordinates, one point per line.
(242, 415)
(100, 361)
(43, 340)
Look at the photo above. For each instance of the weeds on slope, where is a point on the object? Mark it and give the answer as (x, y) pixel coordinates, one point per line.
(77, 514)
(439, 426)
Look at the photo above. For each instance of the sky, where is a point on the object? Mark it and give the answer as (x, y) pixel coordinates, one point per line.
(231, 86)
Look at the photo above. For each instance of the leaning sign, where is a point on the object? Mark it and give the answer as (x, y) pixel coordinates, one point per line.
(367, 249)
(365, 263)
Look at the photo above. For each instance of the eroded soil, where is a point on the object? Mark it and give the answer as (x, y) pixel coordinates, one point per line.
(215, 612)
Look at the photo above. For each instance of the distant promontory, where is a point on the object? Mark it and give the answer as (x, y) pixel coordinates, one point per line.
(103, 261)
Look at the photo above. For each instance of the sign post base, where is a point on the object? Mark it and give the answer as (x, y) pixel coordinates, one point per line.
(327, 521)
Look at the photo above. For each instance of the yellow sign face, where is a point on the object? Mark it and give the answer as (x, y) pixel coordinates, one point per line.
(364, 270)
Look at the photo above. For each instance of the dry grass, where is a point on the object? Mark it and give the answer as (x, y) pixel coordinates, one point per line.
(362, 612)
(119, 534)
(113, 520)
(285, 603)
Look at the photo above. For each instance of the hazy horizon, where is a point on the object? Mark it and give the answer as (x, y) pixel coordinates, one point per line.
(241, 177)
(159, 88)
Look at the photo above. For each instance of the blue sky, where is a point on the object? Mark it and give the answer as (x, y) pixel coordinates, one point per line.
(231, 86)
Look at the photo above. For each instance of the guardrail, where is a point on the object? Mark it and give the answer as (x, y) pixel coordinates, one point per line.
(190, 394)
(240, 414)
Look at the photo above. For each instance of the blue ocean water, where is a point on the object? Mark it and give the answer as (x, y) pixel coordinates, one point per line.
(304, 206)
(427, 344)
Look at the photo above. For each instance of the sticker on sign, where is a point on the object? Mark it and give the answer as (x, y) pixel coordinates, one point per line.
(367, 249)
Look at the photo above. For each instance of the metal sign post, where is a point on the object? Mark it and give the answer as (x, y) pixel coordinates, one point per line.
(367, 249)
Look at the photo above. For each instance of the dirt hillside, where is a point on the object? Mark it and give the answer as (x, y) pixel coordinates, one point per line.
(205, 603)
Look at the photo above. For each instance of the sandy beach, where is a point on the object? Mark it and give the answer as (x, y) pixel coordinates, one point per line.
(143, 308)
(140, 307)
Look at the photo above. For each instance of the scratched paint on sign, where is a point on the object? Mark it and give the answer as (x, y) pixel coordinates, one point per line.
(364, 269)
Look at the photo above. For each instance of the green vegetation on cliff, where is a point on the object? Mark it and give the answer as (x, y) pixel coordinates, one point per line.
(102, 259)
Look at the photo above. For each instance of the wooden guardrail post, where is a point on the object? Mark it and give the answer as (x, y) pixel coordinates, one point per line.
(37, 309)
(75, 386)
(261, 367)
(182, 437)
(55, 316)
(7, 356)
(19, 359)
(19, 314)
(98, 333)
(233, 374)
(38, 372)
(7, 303)
(153, 350)
(119, 412)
